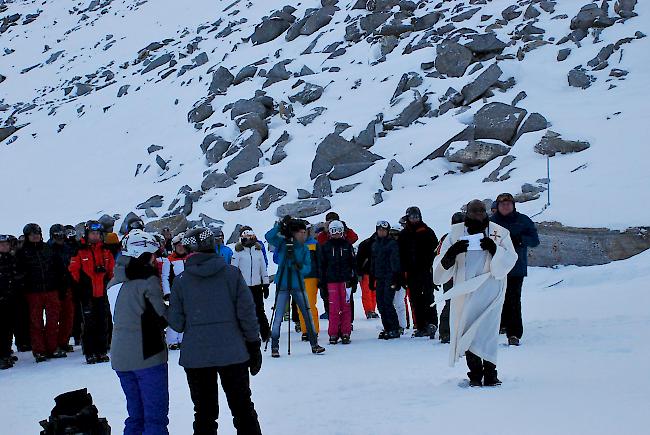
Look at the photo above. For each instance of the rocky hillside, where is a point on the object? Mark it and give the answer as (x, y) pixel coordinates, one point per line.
(225, 112)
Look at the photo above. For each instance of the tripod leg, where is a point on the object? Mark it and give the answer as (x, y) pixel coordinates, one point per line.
(289, 328)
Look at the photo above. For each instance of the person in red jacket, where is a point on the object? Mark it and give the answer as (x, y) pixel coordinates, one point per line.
(91, 269)
(322, 238)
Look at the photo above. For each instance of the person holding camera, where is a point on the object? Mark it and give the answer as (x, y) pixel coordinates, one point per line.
(338, 278)
(294, 262)
(91, 270)
(212, 305)
(138, 351)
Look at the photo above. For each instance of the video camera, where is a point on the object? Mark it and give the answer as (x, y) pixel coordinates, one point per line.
(289, 225)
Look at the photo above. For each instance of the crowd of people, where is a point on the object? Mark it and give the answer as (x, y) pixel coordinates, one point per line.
(150, 293)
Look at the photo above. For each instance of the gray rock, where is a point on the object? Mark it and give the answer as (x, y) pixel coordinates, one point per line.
(371, 22)
(247, 138)
(200, 59)
(305, 71)
(345, 170)
(318, 20)
(127, 219)
(562, 246)
(251, 188)
(177, 224)
(476, 153)
(602, 56)
(279, 153)
(579, 79)
(392, 168)
(201, 111)
(452, 59)
(410, 113)
(83, 88)
(124, 90)
(590, 15)
(535, 122)
(465, 15)
(519, 97)
(304, 208)
(315, 113)
(367, 137)
(272, 27)
(246, 72)
(248, 106)
(498, 121)
(531, 12)
(303, 194)
(340, 127)
(153, 148)
(563, 54)
(248, 158)
(510, 13)
(277, 73)
(407, 81)
(216, 150)
(378, 197)
(473, 91)
(252, 121)
(486, 43)
(216, 180)
(347, 188)
(334, 151)
(388, 44)
(270, 195)
(221, 80)
(322, 187)
(161, 162)
(552, 143)
(426, 22)
(309, 94)
(188, 205)
(258, 177)
(155, 201)
(494, 175)
(235, 235)
(615, 72)
(238, 205)
(625, 8)
(160, 61)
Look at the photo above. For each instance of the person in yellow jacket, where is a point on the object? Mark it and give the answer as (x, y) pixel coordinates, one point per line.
(311, 287)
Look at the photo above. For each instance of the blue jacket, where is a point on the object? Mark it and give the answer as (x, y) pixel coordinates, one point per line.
(225, 252)
(301, 256)
(523, 234)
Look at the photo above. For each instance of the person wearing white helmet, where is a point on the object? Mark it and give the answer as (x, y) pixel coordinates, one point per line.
(138, 351)
(173, 267)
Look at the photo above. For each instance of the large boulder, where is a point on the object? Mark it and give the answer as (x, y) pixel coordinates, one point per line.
(498, 121)
(590, 15)
(625, 8)
(273, 26)
(473, 91)
(153, 202)
(216, 180)
(221, 80)
(309, 94)
(393, 167)
(336, 152)
(252, 121)
(248, 158)
(322, 187)
(552, 143)
(475, 152)
(304, 208)
(487, 43)
(177, 224)
(200, 112)
(563, 246)
(254, 105)
(279, 153)
(452, 59)
(246, 72)
(270, 195)
(216, 149)
(277, 73)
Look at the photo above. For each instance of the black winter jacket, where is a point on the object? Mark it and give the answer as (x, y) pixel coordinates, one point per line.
(41, 269)
(523, 234)
(417, 248)
(386, 261)
(364, 255)
(337, 262)
(9, 278)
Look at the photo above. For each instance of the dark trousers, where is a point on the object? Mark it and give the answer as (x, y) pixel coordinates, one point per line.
(423, 313)
(324, 294)
(6, 327)
(44, 335)
(78, 319)
(444, 314)
(147, 400)
(385, 297)
(21, 322)
(258, 297)
(479, 368)
(511, 314)
(235, 382)
(94, 337)
(66, 319)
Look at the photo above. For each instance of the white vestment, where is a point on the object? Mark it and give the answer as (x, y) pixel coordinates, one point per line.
(478, 292)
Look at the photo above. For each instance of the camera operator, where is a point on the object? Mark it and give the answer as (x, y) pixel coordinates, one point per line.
(288, 238)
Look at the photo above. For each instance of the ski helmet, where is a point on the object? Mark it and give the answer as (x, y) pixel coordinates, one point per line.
(382, 225)
(137, 242)
(458, 217)
(218, 233)
(414, 213)
(57, 231)
(32, 229)
(199, 240)
(93, 225)
(336, 227)
(5, 238)
(177, 239)
(70, 232)
(135, 224)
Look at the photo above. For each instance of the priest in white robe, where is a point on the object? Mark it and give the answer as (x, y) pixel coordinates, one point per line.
(477, 254)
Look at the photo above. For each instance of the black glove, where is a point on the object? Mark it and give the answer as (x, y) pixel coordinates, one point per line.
(516, 240)
(352, 284)
(265, 290)
(450, 256)
(255, 353)
(487, 244)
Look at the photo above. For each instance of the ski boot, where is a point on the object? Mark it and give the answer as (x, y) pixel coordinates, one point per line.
(345, 339)
(324, 316)
(490, 380)
(432, 329)
(297, 327)
(444, 339)
(369, 315)
(60, 353)
(334, 339)
(275, 352)
(513, 341)
(6, 363)
(304, 337)
(317, 349)
(68, 348)
(420, 333)
(103, 358)
(40, 357)
(382, 335)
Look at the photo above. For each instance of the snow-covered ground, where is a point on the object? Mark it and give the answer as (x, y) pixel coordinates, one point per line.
(582, 369)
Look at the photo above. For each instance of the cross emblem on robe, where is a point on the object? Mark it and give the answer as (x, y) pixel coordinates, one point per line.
(495, 236)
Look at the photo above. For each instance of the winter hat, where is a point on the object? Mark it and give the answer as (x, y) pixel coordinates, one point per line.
(505, 197)
(199, 240)
(476, 210)
(336, 227)
(414, 212)
(457, 217)
(177, 239)
(332, 216)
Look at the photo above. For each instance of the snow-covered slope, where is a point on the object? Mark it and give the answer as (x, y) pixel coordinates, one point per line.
(81, 145)
(582, 369)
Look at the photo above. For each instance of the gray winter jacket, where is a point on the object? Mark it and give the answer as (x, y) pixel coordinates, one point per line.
(129, 341)
(211, 303)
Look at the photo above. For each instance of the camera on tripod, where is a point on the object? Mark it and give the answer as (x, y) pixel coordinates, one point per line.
(288, 226)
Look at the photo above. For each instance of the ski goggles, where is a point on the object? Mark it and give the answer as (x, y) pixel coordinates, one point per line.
(383, 224)
(5, 238)
(59, 234)
(71, 233)
(95, 226)
(337, 231)
(136, 225)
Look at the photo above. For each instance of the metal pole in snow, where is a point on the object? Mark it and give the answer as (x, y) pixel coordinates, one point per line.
(548, 177)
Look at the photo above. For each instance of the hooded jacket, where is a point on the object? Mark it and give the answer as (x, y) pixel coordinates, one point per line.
(212, 305)
(250, 261)
(417, 248)
(9, 278)
(91, 269)
(41, 269)
(364, 255)
(523, 235)
(302, 260)
(138, 320)
(337, 262)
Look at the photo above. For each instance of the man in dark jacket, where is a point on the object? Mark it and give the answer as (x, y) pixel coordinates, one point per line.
(417, 247)
(385, 279)
(364, 257)
(524, 235)
(64, 253)
(43, 278)
(212, 305)
(8, 288)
